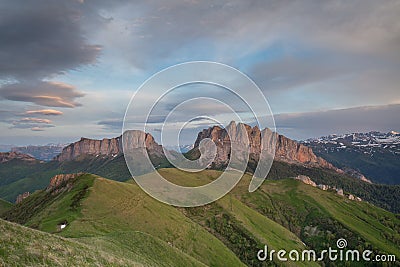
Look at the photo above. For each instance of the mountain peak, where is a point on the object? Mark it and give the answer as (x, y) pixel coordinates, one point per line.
(285, 149)
(62, 182)
(109, 147)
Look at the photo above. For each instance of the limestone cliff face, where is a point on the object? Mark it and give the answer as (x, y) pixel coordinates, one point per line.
(87, 146)
(285, 149)
(109, 147)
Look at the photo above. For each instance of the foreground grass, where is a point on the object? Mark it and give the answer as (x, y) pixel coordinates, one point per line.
(21, 246)
(121, 220)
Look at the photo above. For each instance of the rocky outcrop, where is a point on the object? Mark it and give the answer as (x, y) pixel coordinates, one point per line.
(110, 147)
(61, 182)
(340, 192)
(21, 197)
(7, 156)
(285, 149)
(306, 180)
(87, 146)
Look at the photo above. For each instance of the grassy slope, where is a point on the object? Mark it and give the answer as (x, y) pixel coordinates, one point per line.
(384, 196)
(44, 211)
(318, 217)
(17, 177)
(4, 206)
(253, 225)
(261, 226)
(114, 206)
(111, 213)
(28, 247)
(297, 205)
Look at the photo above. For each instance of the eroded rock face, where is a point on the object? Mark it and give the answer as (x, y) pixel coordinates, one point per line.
(246, 136)
(87, 146)
(110, 147)
(61, 182)
(7, 156)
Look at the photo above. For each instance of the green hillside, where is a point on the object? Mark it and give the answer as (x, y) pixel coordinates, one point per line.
(17, 177)
(317, 217)
(285, 214)
(4, 206)
(21, 246)
(320, 217)
(102, 211)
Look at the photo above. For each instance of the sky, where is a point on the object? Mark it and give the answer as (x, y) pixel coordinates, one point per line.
(68, 69)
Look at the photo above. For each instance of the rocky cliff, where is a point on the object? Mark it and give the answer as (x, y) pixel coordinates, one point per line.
(21, 197)
(7, 156)
(61, 182)
(285, 149)
(109, 147)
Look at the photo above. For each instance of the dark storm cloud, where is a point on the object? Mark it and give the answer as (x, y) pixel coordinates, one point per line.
(42, 38)
(38, 40)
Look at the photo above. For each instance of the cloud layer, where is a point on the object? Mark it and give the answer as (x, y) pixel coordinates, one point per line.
(40, 40)
(306, 56)
(48, 112)
(51, 94)
(359, 119)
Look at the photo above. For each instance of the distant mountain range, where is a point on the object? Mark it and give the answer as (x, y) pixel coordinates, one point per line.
(45, 152)
(374, 154)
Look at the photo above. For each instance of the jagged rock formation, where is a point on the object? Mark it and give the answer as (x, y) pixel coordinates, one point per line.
(7, 156)
(61, 182)
(285, 149)
(21, 197)
(110, 147)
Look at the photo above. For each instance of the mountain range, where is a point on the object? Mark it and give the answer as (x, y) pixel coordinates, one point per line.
(45, 152)
(89, 211)
(105, 158)
(374, 154)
